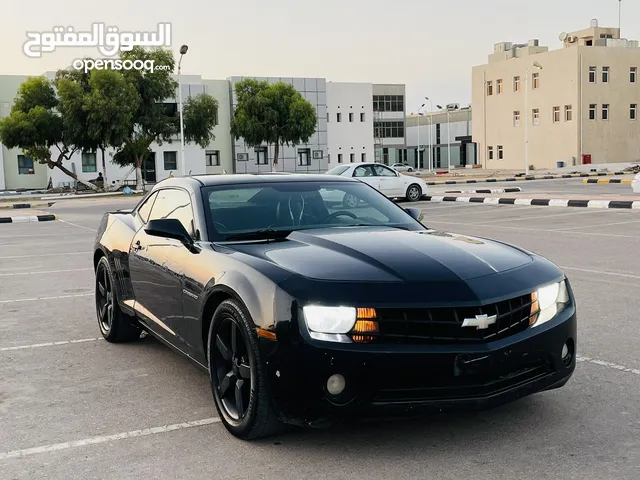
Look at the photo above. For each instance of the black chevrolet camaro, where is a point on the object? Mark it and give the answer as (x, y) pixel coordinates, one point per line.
(305, 311)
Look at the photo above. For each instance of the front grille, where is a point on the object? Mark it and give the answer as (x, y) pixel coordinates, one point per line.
(444, 325)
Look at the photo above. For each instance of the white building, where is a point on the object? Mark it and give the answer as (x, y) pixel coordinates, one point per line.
(350, 137)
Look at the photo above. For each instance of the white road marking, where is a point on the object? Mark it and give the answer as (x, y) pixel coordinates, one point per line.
(63, 242)
(48, 344)
(45, 235)
(602, 363)
(45, 272)
(602, 272)
(601, 225)
(45, 298)
(107, 438)
(524, 218)
(46, 255)
(76, 225)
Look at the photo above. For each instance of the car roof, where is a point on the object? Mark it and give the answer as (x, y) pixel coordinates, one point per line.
(196, 181)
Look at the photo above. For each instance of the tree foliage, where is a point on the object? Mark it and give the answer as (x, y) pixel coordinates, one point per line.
(273, 114)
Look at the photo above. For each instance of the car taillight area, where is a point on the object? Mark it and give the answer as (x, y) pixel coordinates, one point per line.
(468, 325)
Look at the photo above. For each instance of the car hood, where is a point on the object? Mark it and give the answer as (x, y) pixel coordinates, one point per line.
(386, 255)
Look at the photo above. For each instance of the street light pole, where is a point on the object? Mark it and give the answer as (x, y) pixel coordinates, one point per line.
(183, 51)
(418, 153)
(526, 116)
(430, 130)
(449, 140)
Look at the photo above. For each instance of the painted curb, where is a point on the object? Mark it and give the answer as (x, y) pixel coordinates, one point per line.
(530, 177)
(626, 181)
(539, 202)
(496, 190)
(28, 218)
(27, 205)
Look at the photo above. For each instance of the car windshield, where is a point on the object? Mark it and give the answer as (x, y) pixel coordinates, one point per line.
(274, 209)
(339, 170)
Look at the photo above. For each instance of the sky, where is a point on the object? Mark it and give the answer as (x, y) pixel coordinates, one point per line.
(429, 45)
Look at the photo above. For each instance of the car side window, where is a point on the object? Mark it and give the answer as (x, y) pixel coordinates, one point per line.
(174, 203)
(382, 171)
(145, 208)
(364, 171)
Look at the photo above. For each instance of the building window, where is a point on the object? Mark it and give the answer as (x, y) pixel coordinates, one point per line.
(351, 116)
(261, 156)
(568, 113)
(212, 157)
(516, 118)
(498, 87)
(89, 162)
(338, 117)
(605, 74)
(592, 111)
(633, 74)
(304, 157)
(362, 117)
(489, 88)
(352, 157)
(556, 114)
(633, 111)
(170, 160)
(390, 129)
(605, 111)
(535, 116)
(516, 84)
(25, 165)
(592, 74)
(490, 153)
(363, 157)
(339, 158)
(500, 152)
(536, 80)
(388, 103)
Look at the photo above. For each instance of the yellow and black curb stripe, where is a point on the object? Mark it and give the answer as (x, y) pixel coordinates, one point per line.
(26, 205)
(529, 177)
(28, 218)
(626, 181)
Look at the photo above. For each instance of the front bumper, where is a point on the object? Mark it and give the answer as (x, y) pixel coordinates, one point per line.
(407, 380)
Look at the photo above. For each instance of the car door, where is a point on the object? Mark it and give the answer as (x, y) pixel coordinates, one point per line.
(157, 268)
(391, 182)
(366, 174)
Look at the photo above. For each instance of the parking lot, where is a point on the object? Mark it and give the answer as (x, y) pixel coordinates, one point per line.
(74, 406)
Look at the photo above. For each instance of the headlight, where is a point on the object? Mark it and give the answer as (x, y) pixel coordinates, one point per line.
(329, 323)
(547, 301)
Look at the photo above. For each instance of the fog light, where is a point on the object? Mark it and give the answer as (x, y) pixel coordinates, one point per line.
(565, 351)
(336, 384)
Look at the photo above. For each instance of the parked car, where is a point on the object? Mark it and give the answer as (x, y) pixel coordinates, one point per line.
(388, 181)
(402, 167)
(635, 184)
(306, 314)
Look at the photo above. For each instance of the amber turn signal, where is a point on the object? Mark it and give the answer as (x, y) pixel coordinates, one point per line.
(366, 313)
(364, 327)
(535, 309)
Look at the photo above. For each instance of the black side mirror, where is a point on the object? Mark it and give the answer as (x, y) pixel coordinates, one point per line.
(169, 228)
(416, 213)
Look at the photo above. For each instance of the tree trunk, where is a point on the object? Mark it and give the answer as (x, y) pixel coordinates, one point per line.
(276, 150)
(139, 185)
(104, 171)
(68, 172)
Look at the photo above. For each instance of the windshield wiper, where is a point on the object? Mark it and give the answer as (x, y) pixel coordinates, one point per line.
(374, 225)
(266, 234)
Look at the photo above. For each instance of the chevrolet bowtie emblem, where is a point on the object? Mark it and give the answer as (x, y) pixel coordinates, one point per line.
(481, 322)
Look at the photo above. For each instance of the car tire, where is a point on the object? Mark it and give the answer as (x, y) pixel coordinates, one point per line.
(115, 325)
(410, 169)
(414, 193)
(253, 416)
(350, 201)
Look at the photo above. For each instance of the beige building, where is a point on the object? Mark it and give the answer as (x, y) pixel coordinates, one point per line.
(577, 104)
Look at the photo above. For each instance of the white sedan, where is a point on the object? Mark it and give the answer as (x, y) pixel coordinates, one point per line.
(388, 181)
(402, 167)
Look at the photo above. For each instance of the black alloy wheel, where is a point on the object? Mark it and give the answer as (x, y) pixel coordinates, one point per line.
(238, 378)
(115, 325)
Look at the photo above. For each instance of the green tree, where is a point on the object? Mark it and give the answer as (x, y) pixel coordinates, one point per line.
(273, 114)
(44, 125)
(152, 120)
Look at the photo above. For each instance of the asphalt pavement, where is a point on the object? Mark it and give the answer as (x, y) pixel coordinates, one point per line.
(73, 406)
